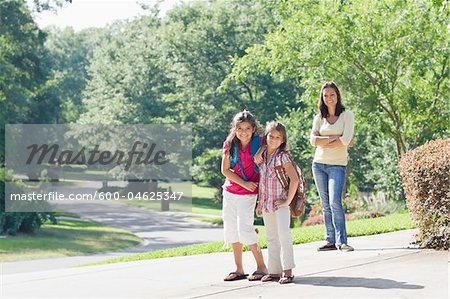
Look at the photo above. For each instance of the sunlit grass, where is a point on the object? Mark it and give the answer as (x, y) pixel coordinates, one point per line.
(67, 238)
(304, 234)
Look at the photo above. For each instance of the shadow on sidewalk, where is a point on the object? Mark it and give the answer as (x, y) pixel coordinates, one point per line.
(415, 248)
(356, 282)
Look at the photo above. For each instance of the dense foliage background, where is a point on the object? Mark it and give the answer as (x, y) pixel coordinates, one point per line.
(206, 60)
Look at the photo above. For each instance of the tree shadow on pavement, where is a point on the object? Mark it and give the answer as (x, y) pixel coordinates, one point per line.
(356, 282)
(411, 247)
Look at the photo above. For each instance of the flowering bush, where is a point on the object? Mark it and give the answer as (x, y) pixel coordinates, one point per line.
(319, 220)
(316, 209)
(350, 205)
(314, 220)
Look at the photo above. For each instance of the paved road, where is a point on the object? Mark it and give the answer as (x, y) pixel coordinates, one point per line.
(158, 230)
(382, 266)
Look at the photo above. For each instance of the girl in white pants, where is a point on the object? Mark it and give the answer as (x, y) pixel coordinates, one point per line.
(274, 204)
(240, 191)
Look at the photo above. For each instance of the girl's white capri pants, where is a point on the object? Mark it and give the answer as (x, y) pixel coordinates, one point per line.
(238, 217)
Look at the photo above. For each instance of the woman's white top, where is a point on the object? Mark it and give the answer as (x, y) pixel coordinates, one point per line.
(344, 127)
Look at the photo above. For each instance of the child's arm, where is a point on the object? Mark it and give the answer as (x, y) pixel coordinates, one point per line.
(258, 207)
(225, 168)
(294, 180)
(258, 156)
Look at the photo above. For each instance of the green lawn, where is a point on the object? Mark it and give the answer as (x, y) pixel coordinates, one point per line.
(203, 192)
(202, 201)
(86, 175)
(197, 200)
(300, 235)
(67, 238)
(214, 221)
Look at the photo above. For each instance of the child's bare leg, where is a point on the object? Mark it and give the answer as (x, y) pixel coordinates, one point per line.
(237, 252)
(239, 273)
(257, 253)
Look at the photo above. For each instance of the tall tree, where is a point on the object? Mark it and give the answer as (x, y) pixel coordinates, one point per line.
(21, 73)
(68, 58)
(128, 76)
(392, 57)
(202, 41)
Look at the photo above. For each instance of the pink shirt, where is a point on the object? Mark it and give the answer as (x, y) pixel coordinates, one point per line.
(249, 169)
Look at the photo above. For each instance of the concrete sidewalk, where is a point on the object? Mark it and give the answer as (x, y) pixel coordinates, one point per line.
(381, 266)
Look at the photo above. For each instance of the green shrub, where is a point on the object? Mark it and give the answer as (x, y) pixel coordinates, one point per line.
(367, 214)
(14, 222)
(425, 172)
(377, 202)
(206, 171)
(206, 168)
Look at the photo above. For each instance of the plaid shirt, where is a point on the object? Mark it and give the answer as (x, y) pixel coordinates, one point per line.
(269, 185)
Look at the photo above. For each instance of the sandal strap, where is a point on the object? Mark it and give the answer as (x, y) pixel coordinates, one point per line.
(286, 279)
(269, 277)
(237, 273)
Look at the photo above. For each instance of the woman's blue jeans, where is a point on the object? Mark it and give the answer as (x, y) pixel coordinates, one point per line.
(330, 181)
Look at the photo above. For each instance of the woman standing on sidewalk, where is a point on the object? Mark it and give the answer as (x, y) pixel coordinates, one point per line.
(331, 134)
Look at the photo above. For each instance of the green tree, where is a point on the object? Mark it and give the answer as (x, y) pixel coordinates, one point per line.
(390, 58)
(67, 59)
(173, 70)
(24, 90)
(21, 74)
(41, 5)
(203, 40)
(128, 79)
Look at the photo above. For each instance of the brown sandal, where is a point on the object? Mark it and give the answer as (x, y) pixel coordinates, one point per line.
(269, 277)
(286, 279)
(257, 275)
(235, 276)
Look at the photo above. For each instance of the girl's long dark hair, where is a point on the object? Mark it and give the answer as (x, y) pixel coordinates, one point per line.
(244, 116)
(323, 109)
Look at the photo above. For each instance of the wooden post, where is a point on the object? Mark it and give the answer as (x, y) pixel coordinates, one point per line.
(165, 202)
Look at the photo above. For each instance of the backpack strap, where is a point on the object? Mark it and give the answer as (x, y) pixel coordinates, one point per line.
(297, 205)
(235, 157)
(278, 161)
(241, 169)
(254, 147)
(280, 172)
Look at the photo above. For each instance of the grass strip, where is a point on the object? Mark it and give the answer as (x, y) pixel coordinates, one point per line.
(304, 234)
(67, 238)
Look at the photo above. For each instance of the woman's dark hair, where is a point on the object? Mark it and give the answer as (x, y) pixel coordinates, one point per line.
(241, 117)
(323, 109)
(276, 125)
